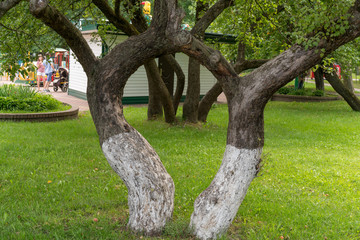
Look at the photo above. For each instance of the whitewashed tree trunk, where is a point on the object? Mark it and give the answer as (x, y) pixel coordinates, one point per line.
(150, 187)
(216, 207)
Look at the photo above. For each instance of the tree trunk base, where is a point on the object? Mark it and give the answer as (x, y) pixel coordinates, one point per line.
(216, 207)
(150, 187)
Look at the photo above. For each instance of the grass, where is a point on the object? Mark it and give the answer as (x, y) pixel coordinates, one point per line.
(55, 180)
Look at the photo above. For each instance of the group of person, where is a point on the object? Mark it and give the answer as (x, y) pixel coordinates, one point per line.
(45, 69)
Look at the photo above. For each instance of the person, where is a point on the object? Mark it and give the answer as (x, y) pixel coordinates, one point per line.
(49, 68)
(40, 71)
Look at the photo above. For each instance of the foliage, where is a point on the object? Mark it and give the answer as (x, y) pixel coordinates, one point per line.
(190, 8)
(318, 93)
(16, 91)
(268, 27)
(307, 189)
(348, 57)
(284, 90)
(22, 37)
(19, 98)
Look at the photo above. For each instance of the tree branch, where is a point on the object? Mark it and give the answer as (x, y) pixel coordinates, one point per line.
(5, 6)
(339, 87)
(249, 64)
(117, 8)
(242, 64)
(118, 21)
(59, 23)
(210, 58)
(138, 19)
(211, 15)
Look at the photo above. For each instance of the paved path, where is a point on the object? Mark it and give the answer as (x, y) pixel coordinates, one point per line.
(73, 101)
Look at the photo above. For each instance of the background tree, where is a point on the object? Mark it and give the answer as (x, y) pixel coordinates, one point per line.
(347, 57)
(191, 103)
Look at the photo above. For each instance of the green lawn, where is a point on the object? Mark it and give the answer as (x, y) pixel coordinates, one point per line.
(55, 180)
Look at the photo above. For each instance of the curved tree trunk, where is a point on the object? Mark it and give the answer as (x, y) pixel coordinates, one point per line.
(216, 207)
(207, 101)
(339, 87)
(150, 187)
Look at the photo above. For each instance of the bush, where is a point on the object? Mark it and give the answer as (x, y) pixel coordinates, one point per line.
(19, 98)
(16, 92)
(284, 90)
(300, 92)
(318, 93)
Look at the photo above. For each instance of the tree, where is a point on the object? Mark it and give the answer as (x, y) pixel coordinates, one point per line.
(347, 57)
(150, 187)
(348, 95)
(319, 79)
(191, 103)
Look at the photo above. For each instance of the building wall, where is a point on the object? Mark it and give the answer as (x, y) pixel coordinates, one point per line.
(77, 76)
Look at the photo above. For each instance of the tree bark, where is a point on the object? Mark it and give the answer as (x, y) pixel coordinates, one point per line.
(340, 88)
(204, 17)
(159, 97)
(191, 103)
(207, 101)
(347, 77)
(167, 74)
(155, 109)
(319, 79)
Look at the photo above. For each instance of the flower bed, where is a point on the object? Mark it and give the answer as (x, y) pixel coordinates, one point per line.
(41, 117)
(19, 103)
